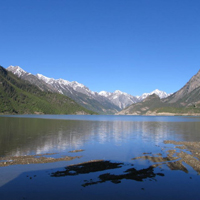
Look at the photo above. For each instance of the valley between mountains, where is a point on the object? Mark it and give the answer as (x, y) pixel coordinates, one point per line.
(102, 102)
(15, 83)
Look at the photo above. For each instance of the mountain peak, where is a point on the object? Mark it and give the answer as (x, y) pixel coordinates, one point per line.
(118, 92)
(189, 87)
(16, 70)
(104, 93)
(75, 84)
(158, 92)
(151, 97)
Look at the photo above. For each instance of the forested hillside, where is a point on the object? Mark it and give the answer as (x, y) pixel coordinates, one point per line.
(20, 97)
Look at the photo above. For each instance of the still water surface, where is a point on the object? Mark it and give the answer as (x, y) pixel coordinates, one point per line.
(115, 140)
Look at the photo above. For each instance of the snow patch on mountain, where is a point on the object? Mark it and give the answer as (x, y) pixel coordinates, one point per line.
(75, 85)
(63, 82)
(119, 98)
(160, 93)
(45, 79)
(105, 94)
(16, 70)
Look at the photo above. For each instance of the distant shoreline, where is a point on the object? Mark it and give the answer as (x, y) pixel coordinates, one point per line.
(163, 114)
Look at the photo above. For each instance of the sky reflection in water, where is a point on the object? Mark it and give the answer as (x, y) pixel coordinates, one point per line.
(112, 142)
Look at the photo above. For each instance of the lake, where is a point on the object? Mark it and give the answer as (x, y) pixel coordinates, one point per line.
(99, 157)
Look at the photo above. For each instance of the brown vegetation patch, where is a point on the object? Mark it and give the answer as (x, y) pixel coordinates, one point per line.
(76, 151)
(32, 159)
(182, 152)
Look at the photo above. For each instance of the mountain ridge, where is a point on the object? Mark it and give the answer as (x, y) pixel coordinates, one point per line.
(185, 101)
(78, 92)
(101, 102)
(21, 97)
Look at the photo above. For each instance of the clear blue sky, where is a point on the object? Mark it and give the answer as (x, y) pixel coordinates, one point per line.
(134, 46)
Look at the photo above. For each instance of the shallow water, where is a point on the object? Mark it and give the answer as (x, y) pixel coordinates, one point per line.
(115, 140)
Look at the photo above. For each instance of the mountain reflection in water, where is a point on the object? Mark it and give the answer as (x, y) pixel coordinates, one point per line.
(146, 158)
(25, 136)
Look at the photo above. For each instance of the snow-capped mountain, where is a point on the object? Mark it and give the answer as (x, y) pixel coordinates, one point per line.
(102, 102)
(62, 85)
(76, 91)
(81, 94)
(120, 99)
(161, 94)
(31, 78)
(17, 70)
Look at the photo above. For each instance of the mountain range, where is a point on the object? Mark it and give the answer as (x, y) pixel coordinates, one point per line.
(101, 102)
(18, 96)
(185, 101)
